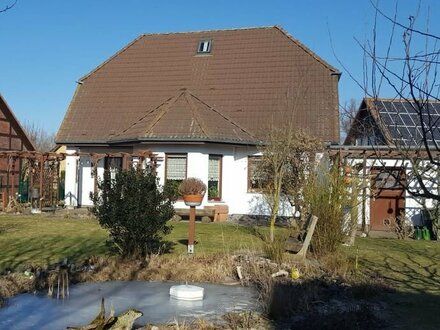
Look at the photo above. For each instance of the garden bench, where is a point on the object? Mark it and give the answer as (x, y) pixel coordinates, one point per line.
(300, 244)
(215, 212)
(184, 212)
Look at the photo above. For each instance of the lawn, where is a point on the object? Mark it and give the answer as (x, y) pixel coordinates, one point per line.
(40, 240)
(412, 268)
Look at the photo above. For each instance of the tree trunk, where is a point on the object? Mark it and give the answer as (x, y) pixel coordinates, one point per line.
(276, 206)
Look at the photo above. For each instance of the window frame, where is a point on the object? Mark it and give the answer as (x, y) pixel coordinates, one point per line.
(202, 42)
(171, 154)
(220, 177)
(252, 159)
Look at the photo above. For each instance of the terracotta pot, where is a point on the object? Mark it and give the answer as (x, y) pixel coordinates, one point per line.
(347, 169)
(192, 200)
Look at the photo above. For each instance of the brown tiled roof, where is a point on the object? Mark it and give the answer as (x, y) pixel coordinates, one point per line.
(159, 88)
(185, 117)
(15, 130)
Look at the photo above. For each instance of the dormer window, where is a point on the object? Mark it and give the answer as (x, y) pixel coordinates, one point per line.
(204, 46)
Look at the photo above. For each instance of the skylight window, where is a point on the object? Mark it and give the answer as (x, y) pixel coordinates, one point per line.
(204, 46)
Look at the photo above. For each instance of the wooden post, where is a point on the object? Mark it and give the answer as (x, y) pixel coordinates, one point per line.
(13, 178)
(310, 230)
(191, 229)
(41, 182)
(364, 193)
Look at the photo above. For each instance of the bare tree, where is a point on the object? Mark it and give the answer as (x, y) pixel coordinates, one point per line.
(408, 66)
(347, 116)
(8, 6)
(287, 157)
(42, 140)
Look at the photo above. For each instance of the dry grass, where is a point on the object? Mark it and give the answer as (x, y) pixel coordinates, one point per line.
(202, 268)
(233, 321)
(13, 284)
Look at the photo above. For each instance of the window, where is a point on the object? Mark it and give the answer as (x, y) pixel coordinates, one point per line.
(204, 46)
(113, 164)
(254, 180)
(389, 179)
(175, 169)
(214, 177)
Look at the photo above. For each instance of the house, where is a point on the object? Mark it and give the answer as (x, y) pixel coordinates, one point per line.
(202, 102)
(12, 138)
(387, 140)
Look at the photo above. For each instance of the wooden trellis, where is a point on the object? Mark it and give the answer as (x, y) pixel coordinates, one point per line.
(42, 172)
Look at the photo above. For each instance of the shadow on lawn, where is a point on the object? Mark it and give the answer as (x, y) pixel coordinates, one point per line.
(323, 304)
(46, 250)
(406, 268)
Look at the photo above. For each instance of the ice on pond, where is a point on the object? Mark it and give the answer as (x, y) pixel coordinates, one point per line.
(28, 311)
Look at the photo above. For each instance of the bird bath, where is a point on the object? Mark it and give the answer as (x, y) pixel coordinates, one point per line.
(29, 311)
(187, 292)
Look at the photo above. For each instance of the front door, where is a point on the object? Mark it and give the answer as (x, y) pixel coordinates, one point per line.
(388, 198)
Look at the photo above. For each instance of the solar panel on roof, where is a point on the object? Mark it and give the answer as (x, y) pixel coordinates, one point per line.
(402, 119)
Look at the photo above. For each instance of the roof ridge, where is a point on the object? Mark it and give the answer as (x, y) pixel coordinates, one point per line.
(166, 107)
(171, 99)
(265, 27)
(393, 99)
(188, 95)
(308, 50)
(194, 110)
(223, 115)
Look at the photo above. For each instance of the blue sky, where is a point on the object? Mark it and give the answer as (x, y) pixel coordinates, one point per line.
(46, 45)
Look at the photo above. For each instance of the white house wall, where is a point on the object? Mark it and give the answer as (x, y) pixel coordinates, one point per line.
(413, 206)
(71, 183)
(234, 176)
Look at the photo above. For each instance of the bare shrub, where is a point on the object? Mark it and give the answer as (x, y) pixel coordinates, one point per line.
(401, 226)
(328, 195)
(275, 250)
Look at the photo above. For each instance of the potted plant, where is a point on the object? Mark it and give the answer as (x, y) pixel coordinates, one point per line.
(192, 190)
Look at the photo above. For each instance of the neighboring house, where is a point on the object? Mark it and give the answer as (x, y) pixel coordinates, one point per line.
(388, 133)
(203, 102)
(12, 138)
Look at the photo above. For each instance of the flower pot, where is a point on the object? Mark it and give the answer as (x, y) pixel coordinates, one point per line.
(192, 200)
(347, 169)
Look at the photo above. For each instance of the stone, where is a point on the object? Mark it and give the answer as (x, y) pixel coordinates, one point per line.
(206, 219)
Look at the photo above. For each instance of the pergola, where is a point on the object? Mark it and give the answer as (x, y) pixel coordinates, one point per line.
(42, 171)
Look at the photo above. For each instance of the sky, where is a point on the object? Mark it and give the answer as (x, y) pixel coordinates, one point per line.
(47, 45)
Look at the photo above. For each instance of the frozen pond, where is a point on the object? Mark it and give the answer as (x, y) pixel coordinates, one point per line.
(28, 311)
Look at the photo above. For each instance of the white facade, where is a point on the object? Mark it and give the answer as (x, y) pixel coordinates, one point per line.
(413, 206)
(234, 175)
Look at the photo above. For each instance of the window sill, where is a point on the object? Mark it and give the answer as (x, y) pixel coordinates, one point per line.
(215, 201)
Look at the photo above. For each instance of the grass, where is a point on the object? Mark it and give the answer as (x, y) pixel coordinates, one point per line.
(40, 240)
(412, 269)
